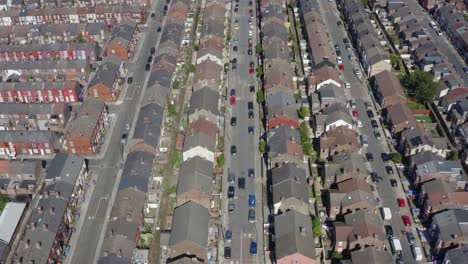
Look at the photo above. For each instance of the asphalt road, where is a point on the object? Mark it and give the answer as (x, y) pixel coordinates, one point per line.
(106, 169)
(359, 92)
(440, 41)
(247, 146)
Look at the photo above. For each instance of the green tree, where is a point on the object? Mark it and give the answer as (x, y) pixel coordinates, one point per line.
(261, 96)
(171, 108)
(220, 161)
(262, 146)
(397, 158)
(196, 47)
(175, 84)
(453, 155)
(337, 256)
(258, 48)
(3, 201)
(192, 68)
(259, 71)
(365, 3)
(317, 227)
(422, 86)
(305, 139)
(394, 60)
(304, 111)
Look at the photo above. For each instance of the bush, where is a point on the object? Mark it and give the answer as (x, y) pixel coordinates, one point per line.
(220, 161)
(3, 201)
(317, 227)
(261, 96)
(262, 146)
(258, 48)
(192, 68)
(396, 157)
(259, 71)
(337, 256)
(304, 112)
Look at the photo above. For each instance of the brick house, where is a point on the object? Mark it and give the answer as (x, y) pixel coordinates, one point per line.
(439, 195)
(279, 115)
(359, 230)
(417, 139)
(108, 80)
(325, 73)
(41, 92)
(27, 143)
(71, 51)
(195, 182)
(344, 166)
(87, 130)
(204, 105)
(189, 233)
(399, 117)
(53, 117)
(284, 147)
(339, 140)
(207, 74)
(278, 78)
(123, 40)
(18, 177)
(448, 229)
(388, 89)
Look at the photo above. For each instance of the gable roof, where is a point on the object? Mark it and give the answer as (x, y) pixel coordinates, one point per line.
(87, 118)
(204, 99)
(371, 255)
(399, 113)
(283, 133)
(138, 168)
(190, 223)
(195, 174)
(149, 123)
(389, 85)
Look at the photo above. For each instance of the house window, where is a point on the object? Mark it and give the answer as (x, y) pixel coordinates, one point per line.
(73, 150)
(47, 151)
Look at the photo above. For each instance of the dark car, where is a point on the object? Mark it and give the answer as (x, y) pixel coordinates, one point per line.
(252, 64)
(251, 114)
(153, 15)
(252, 88)
(465, 69)
(231, 192)
(231, 207)
(227, 252)
(251, 215)
(234, 67)
(338, 53)
(389, 230)
(389, 169)
(150, 59)
(374, 124)
(159, 29)
(233, 150)
(234, 48)
(234, 60)
(337, 47)
(339, 23)
(345, 41)
(393, 183)
(231, 178)
(251, 172)
(385, 157)
(147, 67)
(250, 52)
(152, 51)
(130, 80)
(232, 92)
(369, 156)
(241, 183)
(410, 238)
(370, 114)
(250, 105)
(251, 129)
(250, 3)
(236, 8)
(253, 248)
(375, 177)
(233, 121)
(228, 236)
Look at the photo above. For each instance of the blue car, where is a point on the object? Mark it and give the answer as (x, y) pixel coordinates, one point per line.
(253, 248)
(252, 200)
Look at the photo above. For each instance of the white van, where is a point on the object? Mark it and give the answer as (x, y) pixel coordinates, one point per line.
(386, 213)
(417, 253)
(396, 245)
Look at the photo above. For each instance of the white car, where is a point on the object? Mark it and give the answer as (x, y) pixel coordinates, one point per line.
(357, 71)
(358, 123)
(347, 85)
(250, 33)
(339, 60)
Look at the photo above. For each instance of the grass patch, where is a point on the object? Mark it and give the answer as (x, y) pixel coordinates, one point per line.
(415, 105)
(3, 201)
(424, 118)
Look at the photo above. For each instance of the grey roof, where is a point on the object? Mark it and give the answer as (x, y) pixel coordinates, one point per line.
(200, 139)
(124, 223)
(186, 260)
(204, 99)
(3, 248)
(371, 255)
(423, 157)
(451, 168)
(123, 33)
(195, 174)
(346, 199)
(64, 167)
(293, 235)
(107, 72)
(23, 167)
(9, 219)
(148, 126)
(456, 255)
(416, 137)
(30, 110)
(137, 170)
(451, 223)
(212, 30)
(438, 186)
(114, 259)
(87, 118)
(190, 223)
(331, 92)
(288, 172)
(283, 133)
(277, 49)
(362, 216)
(291, 188)
(281, 99)
(282, 110)
(338, 115)
(172, 32)
(27, 136)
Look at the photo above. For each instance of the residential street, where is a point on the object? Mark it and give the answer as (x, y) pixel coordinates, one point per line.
(248, 155)
(359, 92)
(108, 169)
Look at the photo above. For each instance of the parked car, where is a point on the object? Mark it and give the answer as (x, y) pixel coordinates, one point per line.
(233, 100)
(231, 178)
(230, 192)
(401, 202)
(241, 183)
(389, 169)
(251, 130)
(369, 157)
(251, 172)
(339, 23)
(355, 114)
(227, 252)
(253, 248)
(250, 52)
(357, 72)
(232, 92)
(251, 70)
(228, 236)
(374, 124)
(347, 85)
(339, 60)
(250, 105)
(389, 230)
(353, 103)
(385, 157)
(233, 121)
(251, 215)
(367, 105)
(406, 220)
(393, 182)
(233, 150)
(147, 67)
(370, 114)
(251, 114)
(130, 80)
(377, 135)
(231, 207)
(252, 88)
(411, 238)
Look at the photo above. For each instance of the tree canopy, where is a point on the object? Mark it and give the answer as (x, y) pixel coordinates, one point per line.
(422, 86)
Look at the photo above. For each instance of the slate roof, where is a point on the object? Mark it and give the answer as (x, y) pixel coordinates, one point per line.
(27, 136)
(114, 259)
(64, 167)
(370, 255)
(399, 113)
(87, 118)
(451, 223)
(283, 133)
(190, 223)
(9, 220)
(206, 99)
(293, 234)
(281, 99)
(138, 168)
(457, 255)
(149, 123)
(196, 174)
(123, 33)
(107, 72)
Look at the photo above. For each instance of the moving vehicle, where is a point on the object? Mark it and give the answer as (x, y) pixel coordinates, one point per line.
(396, 245)
(386, 213)
(252, 200)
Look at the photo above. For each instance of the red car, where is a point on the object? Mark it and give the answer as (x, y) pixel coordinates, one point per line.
(251, 11)
(406, 220)
(233, 100)
(355, 113)
(341, 67)
(250, 45)
(401, 202)
(251, 70)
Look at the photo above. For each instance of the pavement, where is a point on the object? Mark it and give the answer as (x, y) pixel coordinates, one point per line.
(441, 42)
(85, 242)
(248, 155)
(359, 92)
